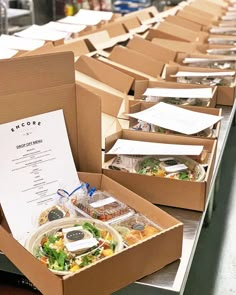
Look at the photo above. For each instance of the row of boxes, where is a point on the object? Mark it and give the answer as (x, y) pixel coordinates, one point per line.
(103, 78)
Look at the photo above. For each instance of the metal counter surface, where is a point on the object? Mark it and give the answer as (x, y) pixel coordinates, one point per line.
(172, 278)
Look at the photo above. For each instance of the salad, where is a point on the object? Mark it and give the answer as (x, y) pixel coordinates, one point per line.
(68, 249)
(181, 168)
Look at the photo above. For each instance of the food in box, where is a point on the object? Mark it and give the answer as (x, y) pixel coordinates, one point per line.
(135, 229)
(70, 244)
(101, 205)
(211, 81)
(178, 167)
(179, 101)
(144, 126)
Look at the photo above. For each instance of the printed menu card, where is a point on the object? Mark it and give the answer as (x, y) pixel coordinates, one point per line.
(36, 161)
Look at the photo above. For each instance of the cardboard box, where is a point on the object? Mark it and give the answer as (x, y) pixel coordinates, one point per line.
(166, 30)
(143, 105)
(177, 46)
(198, 11)
(179, 21)
(77, 47)
(134, 259)
(159, 190)
(225, 94)
(137, 75)
(109, 83)
(137, 61)
(141, 86)
(196, 18)
(46, 83)
(152, 50)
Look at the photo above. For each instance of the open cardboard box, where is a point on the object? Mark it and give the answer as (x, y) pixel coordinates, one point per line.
(46, 83)
(137, 61)
(141, 86)
(204, 14)
(108, 274)
(225, 94)
(143, 105)
(152, 50)
(160, 190)
(179, 21)
(174, 45)
(109, 83)
(77, 47)
(196, 18)
(167, 30)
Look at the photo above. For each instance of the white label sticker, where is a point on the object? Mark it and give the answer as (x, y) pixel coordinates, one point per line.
(82, 244)
(103, 202)
(175, 168)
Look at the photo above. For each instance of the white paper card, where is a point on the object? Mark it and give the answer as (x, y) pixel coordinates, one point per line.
(94, 14)
(183, 93)
(223, 30)
(36, 161)
(177, 119)
(40, 33)
(17, 43)
(221, 50)
(203, 74)
(79, 21)
(134, 147)
(189, 60)
(6, 52)
(69, 28)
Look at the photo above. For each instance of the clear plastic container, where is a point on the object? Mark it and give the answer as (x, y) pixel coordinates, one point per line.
(136, 228)
(209, 81)
(103, 206)
(179, 101)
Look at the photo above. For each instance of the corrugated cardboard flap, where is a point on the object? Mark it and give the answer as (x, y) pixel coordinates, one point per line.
(136, 60)
(104, 73)
(31, 73)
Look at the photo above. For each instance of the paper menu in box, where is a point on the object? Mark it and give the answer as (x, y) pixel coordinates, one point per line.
(177, 92)
(85, 14)
(134, 147)
(79, 21)
(40, 33)
(189, 60)
(204, 74)
(7, 53)
(18, 43)
(69, 28)
(36, 161)
(176, 118)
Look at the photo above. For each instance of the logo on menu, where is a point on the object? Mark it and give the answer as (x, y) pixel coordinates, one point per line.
(25, 124)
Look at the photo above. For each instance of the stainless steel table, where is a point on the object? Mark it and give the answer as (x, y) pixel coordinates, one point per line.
(172, 278)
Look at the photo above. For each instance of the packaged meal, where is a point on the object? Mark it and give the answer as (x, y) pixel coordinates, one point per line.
(144, 126)
(210, 81)
(179, 101)
(175, 167)
(136, 228)
(67, 246)
(101, 205)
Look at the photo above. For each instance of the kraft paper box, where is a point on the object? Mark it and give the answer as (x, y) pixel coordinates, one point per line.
(111, 84)
(137, 61)
(135, 107)
(77, 47)
(52, 86)
(197, 18)
(177, 20)
(160, 190)
(177, 46)
(152, 50)
(166, 30)
(141, 86)
(225, 94)
(204, 14)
